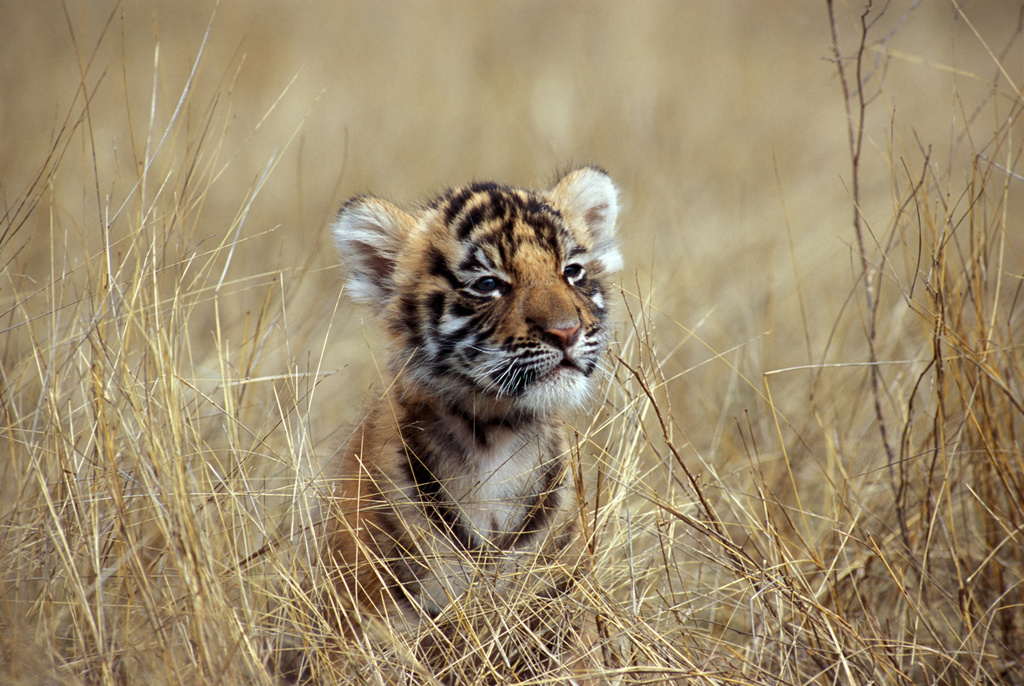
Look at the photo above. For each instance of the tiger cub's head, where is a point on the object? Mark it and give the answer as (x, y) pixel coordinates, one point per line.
(494, 297)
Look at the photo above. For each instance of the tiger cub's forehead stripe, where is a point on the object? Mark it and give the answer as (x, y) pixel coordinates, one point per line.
(456, 202)
(476, 205)
(503, 217)
(516, 231)
(483, 211)
(477, 259)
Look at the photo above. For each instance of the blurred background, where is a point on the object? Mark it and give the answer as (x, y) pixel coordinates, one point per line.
(724, 125)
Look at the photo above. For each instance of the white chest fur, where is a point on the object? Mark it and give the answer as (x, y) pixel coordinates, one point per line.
(491, 489)
(498, 483)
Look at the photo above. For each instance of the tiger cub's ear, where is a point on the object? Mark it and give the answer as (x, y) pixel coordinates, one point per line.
(369, 233)
(588, 195)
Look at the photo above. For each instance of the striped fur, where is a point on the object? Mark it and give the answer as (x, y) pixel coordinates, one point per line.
(494, 300)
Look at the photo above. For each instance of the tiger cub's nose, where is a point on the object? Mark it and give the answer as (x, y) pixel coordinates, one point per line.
(567, 335)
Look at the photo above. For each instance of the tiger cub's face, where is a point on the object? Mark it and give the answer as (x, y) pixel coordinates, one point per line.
(494, 297)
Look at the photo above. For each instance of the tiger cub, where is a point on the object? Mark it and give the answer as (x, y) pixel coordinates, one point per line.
(494, 301)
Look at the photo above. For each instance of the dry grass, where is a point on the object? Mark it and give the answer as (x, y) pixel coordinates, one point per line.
(808, 467)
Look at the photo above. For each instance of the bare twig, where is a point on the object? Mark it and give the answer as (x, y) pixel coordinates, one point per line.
(856, 109)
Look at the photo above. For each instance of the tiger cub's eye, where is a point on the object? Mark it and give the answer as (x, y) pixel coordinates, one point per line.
(573, 272)
(486, 285)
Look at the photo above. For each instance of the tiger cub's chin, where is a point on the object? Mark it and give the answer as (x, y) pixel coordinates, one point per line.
(561, 389)
(494, 302)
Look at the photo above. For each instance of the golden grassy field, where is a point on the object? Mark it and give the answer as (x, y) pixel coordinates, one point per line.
(808, 467)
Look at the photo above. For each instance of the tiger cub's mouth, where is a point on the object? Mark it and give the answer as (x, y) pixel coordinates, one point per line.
(567, 363)
(567, 366)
